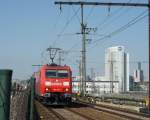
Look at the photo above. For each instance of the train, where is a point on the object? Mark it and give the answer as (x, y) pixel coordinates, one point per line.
(53, 84)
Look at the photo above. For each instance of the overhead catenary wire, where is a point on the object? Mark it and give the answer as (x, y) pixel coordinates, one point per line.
(119, 29)
(90, 12)
(128, 2)
(68, 54)
(107, 24)
(52, 29)
(112, 32)
(56, 22)
(65, 26)
(71, 49)
(67, 34)
(76, 14)
(124, 27)
(107, 18)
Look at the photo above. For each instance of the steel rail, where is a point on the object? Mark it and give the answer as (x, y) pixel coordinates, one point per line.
(115, 111)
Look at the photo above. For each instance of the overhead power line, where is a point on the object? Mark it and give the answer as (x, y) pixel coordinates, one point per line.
(75, 14)
(67, 34)
(108, 17)
(56, 22)
(65, 26)
(124, 27)
(90, 12)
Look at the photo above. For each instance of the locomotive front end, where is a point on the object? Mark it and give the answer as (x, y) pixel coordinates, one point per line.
(58, 85)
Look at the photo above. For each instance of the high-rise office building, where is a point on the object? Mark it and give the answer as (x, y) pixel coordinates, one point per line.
(117, 67)
(138, 74)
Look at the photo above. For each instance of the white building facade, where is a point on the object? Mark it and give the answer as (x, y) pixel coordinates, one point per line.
(117, 67)
(99, 86)
(97, 89)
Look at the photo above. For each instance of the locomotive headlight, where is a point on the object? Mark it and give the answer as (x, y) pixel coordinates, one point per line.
(66, 89)
(46, 89)
(66, 83)
(47, 83)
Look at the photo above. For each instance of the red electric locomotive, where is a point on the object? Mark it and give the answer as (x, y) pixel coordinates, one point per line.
(54, 84)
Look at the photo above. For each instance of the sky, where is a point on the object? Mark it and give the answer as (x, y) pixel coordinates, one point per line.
(29, 27)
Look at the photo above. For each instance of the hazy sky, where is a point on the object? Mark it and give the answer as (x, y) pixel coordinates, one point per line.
(28, 27)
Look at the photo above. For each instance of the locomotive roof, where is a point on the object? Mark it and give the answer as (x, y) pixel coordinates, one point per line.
(54, 66)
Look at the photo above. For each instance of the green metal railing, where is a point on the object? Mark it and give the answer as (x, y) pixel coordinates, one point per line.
(5, 91)
(32, 81)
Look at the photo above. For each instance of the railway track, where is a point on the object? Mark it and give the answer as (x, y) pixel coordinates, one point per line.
(118, 111)
(46, 114)
(82, 111)
(92, 114)
(56, 113)
(69, 115)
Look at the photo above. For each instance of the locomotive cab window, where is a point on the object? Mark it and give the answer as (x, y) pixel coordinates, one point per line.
(51, 73)
(62, 73)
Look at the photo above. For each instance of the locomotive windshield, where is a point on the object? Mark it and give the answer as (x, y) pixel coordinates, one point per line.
(57, 73)
(51, 73)
(62, 73)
